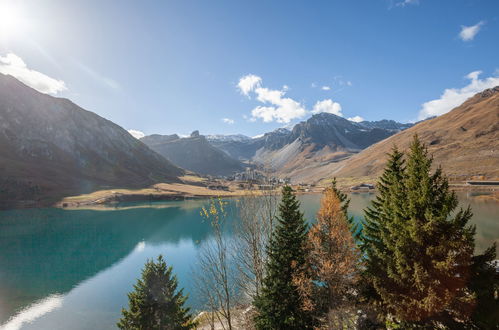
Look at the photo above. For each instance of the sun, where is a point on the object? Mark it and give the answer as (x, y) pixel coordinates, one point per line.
(11, 20)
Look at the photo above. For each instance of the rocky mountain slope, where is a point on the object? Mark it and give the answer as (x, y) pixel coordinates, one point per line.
(194, 153)
(304, 151)
(464, 141)
(313, 144)
(50, 147)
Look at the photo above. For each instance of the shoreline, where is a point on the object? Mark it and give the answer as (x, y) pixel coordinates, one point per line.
(188, 191)
(114, 198)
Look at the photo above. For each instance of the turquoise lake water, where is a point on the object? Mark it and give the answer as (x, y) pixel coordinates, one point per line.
(72, 269)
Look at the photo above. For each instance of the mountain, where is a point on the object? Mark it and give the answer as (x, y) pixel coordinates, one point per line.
(464, 141)
(311, 146)
(238, 147)
(193, 153)
(227, 138)
(308, 150)
(386, 124)
(50, 147)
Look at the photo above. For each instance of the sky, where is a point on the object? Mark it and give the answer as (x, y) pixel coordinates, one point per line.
(249, 67)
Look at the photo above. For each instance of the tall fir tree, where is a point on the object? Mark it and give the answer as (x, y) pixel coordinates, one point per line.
(345, 202)
(419, 252)
(279, 305)
(156, 303)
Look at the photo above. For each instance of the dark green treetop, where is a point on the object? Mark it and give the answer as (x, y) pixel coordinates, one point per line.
(418, 249)
(155, 302)
(279, 305)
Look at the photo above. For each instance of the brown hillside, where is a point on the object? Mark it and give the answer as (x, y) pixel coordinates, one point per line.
(464, 141)
(51, 148)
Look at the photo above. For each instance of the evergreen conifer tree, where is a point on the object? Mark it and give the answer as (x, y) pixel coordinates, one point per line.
(419, 253)
(279, 305)
(345, 202)
(156, 303)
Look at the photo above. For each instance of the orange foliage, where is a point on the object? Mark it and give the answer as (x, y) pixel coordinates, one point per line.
(333, 260)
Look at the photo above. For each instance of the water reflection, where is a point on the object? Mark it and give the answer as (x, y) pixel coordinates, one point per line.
(49, 251)
(71, 269)
(33, 312)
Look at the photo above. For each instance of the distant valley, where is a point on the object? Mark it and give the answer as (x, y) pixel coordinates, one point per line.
(51, 148)
(322, 139)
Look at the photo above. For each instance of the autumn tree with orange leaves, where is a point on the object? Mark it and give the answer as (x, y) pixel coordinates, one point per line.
(328, 283)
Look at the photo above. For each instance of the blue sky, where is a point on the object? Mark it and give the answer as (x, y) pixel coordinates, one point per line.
(174, 66)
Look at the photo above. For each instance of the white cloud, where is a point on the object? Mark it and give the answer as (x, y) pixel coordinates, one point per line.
(228, 121)
(266, 95)
(328, 106)
(276, 106)
(468, 33)
(248, 83)
(282, 109)
(13, 65)
(279, 108)
(453, 97)
(356, 119)
(136, 134)
(404, 3)
(265, 113)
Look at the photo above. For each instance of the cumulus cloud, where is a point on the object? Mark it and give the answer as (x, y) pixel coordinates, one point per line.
(13, 65)
(328, 106)
(326, 88)
(248, 83)
(356, 119)
(136, 134)
(276, 106)
(468, 33)
(453, 97)
(281, 109)
(228, 121)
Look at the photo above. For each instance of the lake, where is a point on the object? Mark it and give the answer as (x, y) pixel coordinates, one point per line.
(72, 269)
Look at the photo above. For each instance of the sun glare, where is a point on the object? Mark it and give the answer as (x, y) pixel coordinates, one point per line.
(11, 21)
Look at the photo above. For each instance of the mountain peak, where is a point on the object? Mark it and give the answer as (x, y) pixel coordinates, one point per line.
(489, 92)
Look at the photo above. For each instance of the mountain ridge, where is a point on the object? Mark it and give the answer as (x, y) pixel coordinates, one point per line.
(193, 153)
(51, 147)
(464, 141)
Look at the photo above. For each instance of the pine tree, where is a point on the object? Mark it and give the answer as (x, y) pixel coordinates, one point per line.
(279, 305)
(419, 252)
(345, 202)
(485, 285)
(156, 303)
